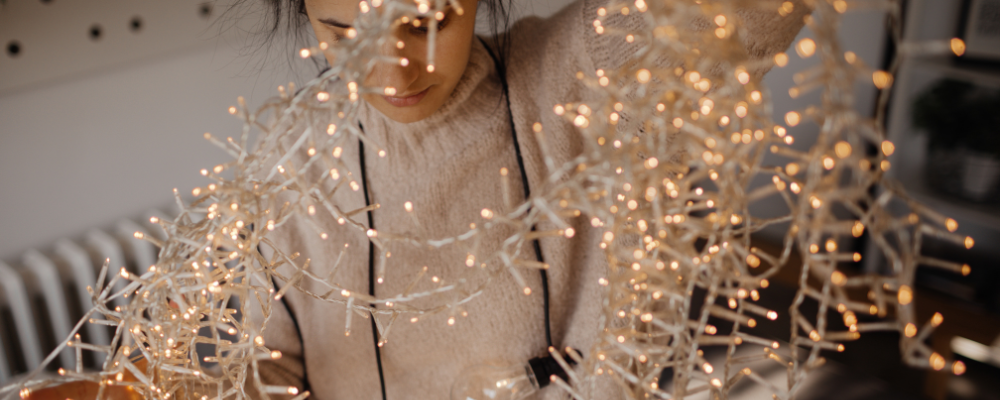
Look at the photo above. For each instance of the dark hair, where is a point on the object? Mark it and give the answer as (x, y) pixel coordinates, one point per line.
(290, 16)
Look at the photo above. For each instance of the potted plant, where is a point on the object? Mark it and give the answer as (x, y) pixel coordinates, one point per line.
(962, 121)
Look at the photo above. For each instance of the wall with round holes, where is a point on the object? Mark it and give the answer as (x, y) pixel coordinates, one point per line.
(46, 40)
(103, 104)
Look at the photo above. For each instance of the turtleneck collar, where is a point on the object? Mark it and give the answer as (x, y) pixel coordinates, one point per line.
(474, 107)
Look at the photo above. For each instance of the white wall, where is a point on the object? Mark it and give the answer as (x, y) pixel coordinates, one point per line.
(92, 131)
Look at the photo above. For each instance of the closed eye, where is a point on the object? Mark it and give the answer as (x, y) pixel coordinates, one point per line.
(330, 22)
(334, 23)
(425, 22)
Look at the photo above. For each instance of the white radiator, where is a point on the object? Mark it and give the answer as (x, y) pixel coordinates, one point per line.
(44, 293)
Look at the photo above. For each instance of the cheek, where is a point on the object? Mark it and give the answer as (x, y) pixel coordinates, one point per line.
(453, 53)
(323, 35)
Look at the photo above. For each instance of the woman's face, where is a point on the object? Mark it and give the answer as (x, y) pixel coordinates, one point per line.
(420, 88)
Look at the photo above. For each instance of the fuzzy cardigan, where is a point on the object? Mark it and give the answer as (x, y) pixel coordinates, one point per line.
(448, 167)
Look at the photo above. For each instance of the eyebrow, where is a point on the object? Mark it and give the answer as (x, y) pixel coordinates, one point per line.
(334, 23)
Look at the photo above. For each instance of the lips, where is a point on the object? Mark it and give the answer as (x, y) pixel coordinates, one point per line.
(406, 101)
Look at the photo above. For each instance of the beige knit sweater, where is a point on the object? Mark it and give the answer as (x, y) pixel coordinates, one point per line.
(448, 166)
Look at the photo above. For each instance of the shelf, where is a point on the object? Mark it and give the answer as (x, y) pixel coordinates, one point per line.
(979, 74)
(910, 159)
(987, 215)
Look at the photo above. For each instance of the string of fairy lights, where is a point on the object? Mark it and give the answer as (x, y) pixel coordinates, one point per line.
(670, 154)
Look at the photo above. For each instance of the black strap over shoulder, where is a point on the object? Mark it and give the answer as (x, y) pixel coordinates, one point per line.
(371, 261)
(524, 183)
(306, 387)
(527, 194)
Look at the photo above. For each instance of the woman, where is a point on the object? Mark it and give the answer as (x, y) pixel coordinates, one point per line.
(448, 134)
(449, 130)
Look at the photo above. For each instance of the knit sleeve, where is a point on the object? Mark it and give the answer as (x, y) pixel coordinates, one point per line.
(767, 31)
(281, 334)
(548, 55)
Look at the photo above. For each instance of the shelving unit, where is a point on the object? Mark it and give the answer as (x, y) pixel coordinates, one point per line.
(977, 73)
(924, 22)
(982, 213)
(963, 300)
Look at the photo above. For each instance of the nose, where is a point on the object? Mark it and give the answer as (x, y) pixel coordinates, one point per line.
(396, 74)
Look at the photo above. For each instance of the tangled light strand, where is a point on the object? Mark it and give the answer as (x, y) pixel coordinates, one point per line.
(709, 116)
(670, 156)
